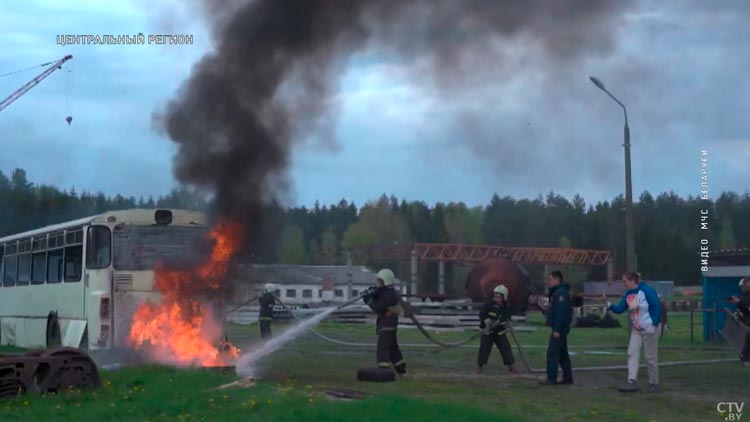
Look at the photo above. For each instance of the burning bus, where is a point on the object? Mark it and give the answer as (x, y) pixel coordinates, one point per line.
(136, 279)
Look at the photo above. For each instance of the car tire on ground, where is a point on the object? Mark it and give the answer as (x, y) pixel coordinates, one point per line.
(376, 374)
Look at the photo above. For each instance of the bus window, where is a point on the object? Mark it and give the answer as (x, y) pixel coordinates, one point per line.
(54, 266)
(56, 240)
(10, 267)
(2, 253)
(98, 247)
(38, 267)
(73, 262)
(74, 236)
(24, 269)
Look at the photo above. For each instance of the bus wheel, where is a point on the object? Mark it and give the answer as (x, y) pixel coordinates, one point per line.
(54, 338)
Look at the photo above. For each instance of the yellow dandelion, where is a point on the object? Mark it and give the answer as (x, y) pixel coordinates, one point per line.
(211, 400)
(26, 403)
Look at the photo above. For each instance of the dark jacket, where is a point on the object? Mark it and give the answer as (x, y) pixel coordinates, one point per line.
(495, 312)
(560, 312)
(744, 307)
(266, 303)
(384, 301)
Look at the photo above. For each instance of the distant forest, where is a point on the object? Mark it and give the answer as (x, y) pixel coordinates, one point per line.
(667, 226)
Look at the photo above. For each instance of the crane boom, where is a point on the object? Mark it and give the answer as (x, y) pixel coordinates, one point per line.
(32, 83)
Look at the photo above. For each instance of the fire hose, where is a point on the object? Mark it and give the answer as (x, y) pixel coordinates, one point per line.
(241, 305)
(408, 312)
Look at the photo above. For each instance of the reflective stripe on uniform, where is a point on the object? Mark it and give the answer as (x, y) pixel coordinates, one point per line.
(492, 313)
(388, 329)
(384, 364)
(265, 319)
(401, 362)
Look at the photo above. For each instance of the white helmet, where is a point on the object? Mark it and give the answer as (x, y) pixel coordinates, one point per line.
(268, 288)
(501, 290)
(387, 276)
(743, 280)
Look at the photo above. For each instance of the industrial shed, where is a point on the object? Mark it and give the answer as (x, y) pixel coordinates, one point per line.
(304, 284)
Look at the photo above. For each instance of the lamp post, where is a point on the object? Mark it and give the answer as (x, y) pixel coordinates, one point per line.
(629, 236)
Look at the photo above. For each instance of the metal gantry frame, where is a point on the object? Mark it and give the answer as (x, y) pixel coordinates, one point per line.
(469, 254)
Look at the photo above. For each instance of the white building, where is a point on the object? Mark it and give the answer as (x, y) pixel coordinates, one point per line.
(304, 284)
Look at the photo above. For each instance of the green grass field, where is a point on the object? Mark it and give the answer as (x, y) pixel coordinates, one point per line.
(442, 385)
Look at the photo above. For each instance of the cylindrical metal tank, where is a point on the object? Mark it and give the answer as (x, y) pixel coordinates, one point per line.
(489, 273)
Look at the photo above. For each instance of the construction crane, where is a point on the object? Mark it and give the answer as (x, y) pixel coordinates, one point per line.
(34, 82)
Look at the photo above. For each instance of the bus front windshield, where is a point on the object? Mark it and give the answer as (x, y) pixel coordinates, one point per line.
(140, 248)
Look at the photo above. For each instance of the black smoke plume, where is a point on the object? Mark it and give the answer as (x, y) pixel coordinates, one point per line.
(269, 81)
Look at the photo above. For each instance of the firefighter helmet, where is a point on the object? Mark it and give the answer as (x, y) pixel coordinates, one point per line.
(387, 276)
(501, 290)
(268, 288)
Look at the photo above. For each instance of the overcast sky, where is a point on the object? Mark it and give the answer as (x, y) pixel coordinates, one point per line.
(680, 67)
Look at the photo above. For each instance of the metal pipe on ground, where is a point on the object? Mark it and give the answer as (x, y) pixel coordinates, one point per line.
(533, 370)
(660, 364)
(528, 366)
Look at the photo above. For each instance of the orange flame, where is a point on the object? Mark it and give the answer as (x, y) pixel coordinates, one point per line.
(182, 330)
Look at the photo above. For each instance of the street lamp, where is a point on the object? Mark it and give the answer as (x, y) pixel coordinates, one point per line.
(629, 237)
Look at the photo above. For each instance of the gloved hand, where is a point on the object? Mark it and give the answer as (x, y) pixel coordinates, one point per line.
(369, 294)
(487, 327)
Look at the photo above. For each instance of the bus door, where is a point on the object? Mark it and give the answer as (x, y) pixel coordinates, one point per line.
(98, 275)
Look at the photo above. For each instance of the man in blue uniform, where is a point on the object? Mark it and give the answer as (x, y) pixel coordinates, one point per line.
(559, 318)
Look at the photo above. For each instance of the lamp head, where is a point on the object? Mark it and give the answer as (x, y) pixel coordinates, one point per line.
(598, 83)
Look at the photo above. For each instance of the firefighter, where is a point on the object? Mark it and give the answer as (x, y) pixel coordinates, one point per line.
(384, 301)
(743, 310)
(559, 317)
(493, 321)
(265, 316)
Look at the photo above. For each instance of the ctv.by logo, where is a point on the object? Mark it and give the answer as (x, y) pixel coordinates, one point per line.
(731, 410)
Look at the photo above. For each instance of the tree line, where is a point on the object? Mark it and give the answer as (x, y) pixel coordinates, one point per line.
(667, 226)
